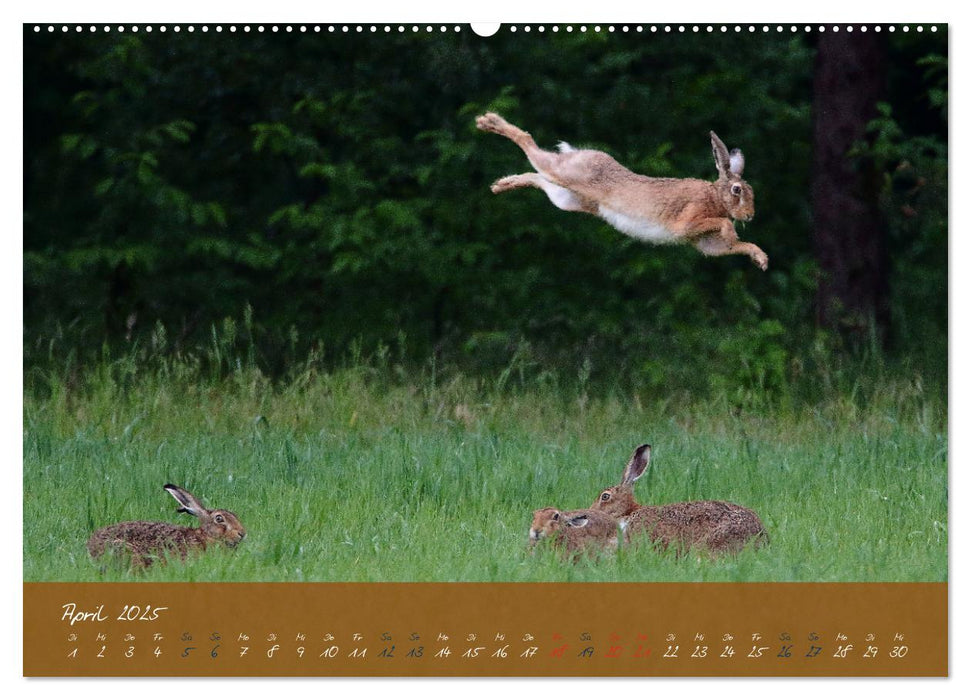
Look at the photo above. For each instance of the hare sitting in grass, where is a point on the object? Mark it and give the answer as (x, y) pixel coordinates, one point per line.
(576, 531)
(652, 209)
(145, 541)
(717, 527)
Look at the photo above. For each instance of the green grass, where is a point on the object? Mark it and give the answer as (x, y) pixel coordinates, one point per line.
(348, 476)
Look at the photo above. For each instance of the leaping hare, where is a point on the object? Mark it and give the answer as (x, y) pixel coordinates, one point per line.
(146, 541)
(576, 531)
(652, 209)
(715, 526)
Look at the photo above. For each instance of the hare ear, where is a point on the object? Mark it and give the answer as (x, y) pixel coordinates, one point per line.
(188, 502)
(637, 464)
(736, 161)
(718, 149)
(578, 521)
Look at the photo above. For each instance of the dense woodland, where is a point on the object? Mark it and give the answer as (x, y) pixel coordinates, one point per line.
(285, 198)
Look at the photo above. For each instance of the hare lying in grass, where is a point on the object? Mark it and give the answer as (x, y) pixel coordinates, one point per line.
(144, 541)
(652, 209)
(576, 531)
(715, 526)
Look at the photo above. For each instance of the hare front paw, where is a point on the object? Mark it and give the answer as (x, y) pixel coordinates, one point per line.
(761, 260)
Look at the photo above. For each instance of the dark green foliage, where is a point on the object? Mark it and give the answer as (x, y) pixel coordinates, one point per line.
(329, 192)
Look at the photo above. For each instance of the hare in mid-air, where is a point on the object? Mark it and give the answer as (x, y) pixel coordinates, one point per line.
(576, 531)
(652, 209)
(718, 527)
(145, 541)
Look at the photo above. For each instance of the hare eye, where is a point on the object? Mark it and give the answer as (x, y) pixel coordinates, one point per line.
(736, 189)
(219, 519)
(556, 516)
(605, 496)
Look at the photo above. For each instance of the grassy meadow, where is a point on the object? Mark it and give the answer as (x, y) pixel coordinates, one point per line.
(355, 475)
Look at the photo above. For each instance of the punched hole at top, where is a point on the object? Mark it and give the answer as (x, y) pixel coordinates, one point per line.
(485, 28)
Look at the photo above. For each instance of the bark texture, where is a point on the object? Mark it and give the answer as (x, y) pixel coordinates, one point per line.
(849, 233)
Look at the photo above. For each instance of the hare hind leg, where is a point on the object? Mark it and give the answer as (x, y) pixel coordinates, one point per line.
(493, 123)
(561, 197)
(725, 242)
(546, 162)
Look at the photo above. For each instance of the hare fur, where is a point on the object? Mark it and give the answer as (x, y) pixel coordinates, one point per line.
(576, 530)
(718, 527)
(146, 541)
(652, 209)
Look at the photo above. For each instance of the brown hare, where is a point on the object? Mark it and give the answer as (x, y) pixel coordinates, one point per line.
(652, 209)
(576, 531)
(717, 527)
(145, 541)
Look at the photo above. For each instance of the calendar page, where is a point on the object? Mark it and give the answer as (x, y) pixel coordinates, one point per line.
(535, 350)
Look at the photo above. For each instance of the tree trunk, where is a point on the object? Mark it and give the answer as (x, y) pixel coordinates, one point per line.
(849, 233)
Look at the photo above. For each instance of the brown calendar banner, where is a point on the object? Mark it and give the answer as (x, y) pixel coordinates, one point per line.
(485, 629)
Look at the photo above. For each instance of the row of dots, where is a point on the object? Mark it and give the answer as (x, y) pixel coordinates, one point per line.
(428, 28)
(245, 28)
(738, 28)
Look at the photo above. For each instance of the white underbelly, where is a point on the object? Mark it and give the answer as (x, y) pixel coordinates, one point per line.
(643, 229)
